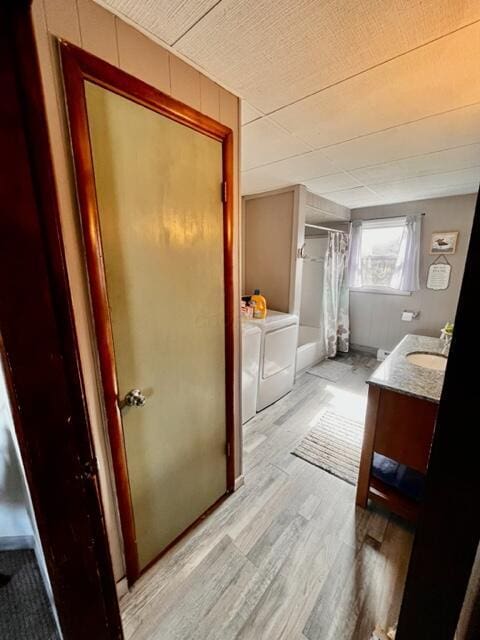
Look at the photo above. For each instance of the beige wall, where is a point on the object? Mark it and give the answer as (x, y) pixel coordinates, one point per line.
(268, 229)
(87, 25)
(375, 318)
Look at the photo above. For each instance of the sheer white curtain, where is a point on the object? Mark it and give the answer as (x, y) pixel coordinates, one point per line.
(407, 268)
(355, 256)
(405, 276)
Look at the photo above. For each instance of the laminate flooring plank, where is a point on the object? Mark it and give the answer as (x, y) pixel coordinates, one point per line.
(286, 604)
(231, 612)
(175, 618)
(335, 614)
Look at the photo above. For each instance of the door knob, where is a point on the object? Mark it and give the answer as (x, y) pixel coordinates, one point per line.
(134, 398)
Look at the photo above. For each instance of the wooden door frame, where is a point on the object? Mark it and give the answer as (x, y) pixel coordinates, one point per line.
(80, 66)
(41, 356)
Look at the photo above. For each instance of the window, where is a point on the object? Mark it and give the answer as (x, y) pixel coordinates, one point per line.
(384, 255)
(380, 247)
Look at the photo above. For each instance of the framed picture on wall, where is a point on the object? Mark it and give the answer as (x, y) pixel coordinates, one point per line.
(443, 242)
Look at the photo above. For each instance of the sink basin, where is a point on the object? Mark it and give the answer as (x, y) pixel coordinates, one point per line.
(428, 360)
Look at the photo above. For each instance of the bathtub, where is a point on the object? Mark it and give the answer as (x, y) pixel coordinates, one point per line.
(311, 348)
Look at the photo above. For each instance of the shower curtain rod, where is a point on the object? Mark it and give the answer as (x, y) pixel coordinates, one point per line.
(317, 226)
(384, 218)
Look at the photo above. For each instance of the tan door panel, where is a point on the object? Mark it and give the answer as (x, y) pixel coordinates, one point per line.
(161, 224)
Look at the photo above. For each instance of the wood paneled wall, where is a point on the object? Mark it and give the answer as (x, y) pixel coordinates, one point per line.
(87, 25)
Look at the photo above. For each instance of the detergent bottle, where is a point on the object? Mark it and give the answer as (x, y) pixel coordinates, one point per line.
(259, 305)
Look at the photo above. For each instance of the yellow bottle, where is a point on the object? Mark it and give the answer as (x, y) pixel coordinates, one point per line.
(260, 305)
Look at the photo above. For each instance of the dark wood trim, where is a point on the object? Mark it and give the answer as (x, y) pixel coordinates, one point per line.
(366, 458)
(228, 240)
(448, 531)
(79, 66)
(393, 500)
(41, 353)
(89, 67)
(79, 132)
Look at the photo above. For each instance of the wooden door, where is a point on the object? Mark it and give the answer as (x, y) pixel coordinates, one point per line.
(157, 233)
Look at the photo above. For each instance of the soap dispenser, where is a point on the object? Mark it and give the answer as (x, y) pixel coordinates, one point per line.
(259, 305)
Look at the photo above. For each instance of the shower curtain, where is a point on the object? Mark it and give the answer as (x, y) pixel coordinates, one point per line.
(336, 321)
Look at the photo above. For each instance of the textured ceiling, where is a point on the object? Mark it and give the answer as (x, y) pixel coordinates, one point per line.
(364, 101)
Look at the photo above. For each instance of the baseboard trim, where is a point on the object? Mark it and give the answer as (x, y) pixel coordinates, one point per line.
(13, 543)
(122, 588)
(239, 482)
(371, 351)
(122, 585)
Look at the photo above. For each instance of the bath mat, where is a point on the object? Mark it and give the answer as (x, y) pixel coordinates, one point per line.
(334, 445)
(330, 370)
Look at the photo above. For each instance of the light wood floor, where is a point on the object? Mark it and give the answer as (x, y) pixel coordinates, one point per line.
(288, 556)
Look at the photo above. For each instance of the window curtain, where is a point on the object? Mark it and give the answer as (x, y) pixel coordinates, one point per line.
(406, 274)
(355, 255)
(336, 295)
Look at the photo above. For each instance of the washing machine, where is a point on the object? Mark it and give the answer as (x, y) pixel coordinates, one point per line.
(251, 340)
(278, 351)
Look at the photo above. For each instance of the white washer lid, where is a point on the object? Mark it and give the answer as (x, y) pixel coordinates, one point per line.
(275, 320)
(249, 328)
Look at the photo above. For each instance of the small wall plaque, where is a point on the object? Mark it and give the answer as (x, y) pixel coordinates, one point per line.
(443, 242)
(439, 275)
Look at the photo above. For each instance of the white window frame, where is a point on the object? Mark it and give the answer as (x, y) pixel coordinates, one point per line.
(376, 224)
(386, 291)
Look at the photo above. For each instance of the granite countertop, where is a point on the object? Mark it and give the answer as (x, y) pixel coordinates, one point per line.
(397, 374)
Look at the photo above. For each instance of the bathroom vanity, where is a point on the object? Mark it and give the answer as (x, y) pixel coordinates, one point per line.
(403, 398)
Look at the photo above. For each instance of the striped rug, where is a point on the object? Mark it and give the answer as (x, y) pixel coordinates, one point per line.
(334, 445)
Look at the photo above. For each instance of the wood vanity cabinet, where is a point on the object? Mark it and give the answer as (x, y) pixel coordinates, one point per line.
(399, 427)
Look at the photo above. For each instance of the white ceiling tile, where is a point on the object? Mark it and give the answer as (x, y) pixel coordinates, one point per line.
(260, 180)
(355, 198)
(166, 19)
(437, 162)
(436, 78)
(334, 182)
(273, 53)
(264, 142)
(414, 194)
(452, 129)
(249, 112)
(298, 169)
(447, 180)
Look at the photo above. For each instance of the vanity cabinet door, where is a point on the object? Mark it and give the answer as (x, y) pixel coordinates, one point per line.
(404, 430)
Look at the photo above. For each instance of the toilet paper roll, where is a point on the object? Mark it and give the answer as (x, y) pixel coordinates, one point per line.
(407, 316)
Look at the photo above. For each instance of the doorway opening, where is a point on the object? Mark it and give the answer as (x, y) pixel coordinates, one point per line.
(27, 608)
(248, 565)
(360, 416)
